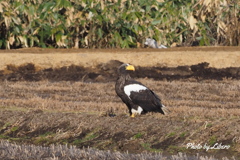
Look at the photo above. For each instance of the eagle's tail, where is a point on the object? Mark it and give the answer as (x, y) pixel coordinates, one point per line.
(165, 110)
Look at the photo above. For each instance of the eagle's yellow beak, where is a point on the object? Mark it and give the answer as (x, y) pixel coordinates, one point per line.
(130, 68)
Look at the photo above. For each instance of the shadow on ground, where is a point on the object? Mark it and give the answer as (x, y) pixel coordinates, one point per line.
(107, 72)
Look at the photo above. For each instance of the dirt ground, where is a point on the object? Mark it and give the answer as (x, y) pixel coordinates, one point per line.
(53, 96)
(217, 57)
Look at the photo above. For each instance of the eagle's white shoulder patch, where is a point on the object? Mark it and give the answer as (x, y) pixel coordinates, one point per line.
(133, 88)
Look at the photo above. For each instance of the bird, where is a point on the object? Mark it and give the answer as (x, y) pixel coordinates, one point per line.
(153, 44)
(138, 98)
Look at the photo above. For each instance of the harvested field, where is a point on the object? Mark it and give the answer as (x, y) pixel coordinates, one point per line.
(62, 152)
(77, 105)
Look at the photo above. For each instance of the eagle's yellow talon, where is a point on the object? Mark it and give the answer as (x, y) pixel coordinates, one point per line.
(132, 116)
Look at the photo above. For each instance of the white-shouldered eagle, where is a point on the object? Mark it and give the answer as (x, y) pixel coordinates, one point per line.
(138, 98)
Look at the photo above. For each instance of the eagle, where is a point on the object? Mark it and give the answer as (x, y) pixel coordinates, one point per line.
(138, 98)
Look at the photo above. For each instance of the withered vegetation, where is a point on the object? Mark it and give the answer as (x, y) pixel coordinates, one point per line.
(91, 115)
(118, 23)
(62, 152)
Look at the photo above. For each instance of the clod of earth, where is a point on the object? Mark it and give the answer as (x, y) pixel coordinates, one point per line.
(106, 72)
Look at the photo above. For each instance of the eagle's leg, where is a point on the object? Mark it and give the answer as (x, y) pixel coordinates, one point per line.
(132, 115)
(136, 110)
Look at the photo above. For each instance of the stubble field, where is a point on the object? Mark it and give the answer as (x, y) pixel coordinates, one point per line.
(75, 104)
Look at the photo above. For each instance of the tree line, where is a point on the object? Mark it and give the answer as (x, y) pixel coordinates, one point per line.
(118, 23)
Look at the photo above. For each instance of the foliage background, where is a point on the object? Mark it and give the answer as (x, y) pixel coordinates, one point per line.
(118, 23)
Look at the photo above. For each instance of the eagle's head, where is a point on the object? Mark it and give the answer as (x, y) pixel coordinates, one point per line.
(125, 68)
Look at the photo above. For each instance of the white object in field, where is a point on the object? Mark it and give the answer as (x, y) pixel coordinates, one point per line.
(153, 44)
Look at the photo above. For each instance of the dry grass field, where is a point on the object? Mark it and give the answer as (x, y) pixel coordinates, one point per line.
(82, 109)
(217, 57)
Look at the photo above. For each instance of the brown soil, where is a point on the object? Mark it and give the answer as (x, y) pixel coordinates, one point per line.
(217, 57)
(106, 72)
(40, 104)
